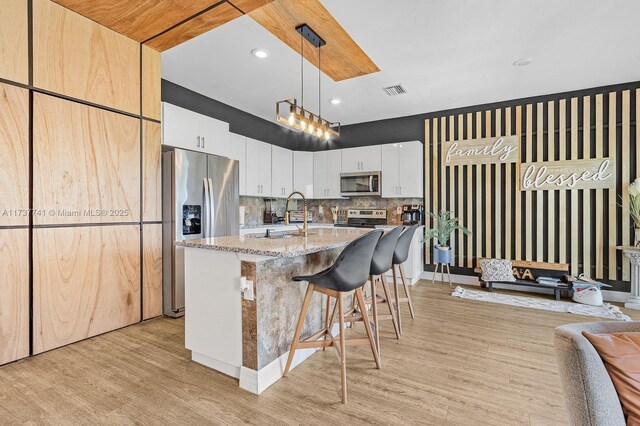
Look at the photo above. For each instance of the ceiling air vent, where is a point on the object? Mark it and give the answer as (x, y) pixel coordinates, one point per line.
(394, 90)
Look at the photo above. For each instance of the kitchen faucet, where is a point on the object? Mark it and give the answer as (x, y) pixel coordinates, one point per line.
(305, 227)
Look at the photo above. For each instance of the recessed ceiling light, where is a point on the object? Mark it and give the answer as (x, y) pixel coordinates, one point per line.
(260, 53)
(522, 62)
(335, 101)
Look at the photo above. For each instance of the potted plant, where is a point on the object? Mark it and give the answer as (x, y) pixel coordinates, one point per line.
(445, 225)
(634, 208)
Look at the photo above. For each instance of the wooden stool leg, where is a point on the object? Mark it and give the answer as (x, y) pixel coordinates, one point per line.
(374, 309)
(367, 326)
(397, 301)
(392, 310)
(343, 350)
(449, 273)
(406, 290)
(326, 320)
(296, 335)
(433, 279)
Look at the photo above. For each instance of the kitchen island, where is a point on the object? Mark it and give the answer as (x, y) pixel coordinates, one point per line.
(247, 334)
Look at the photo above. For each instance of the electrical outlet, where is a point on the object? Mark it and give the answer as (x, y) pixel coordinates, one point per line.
(399, 209)
(320, 210)
(246, 287)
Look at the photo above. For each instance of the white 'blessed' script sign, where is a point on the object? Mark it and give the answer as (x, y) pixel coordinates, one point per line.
(502, 149)
(569, 174)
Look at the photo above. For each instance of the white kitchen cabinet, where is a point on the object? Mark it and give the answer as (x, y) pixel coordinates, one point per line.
(281, 171)
(327, 166)
(258, 168)
(362, 159)
(182, 128)
(303, 173)
(402, 165)
(238, 151)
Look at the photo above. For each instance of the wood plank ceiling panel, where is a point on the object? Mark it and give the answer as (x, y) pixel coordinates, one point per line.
(200, 24)
(342, 58)
(140, 19)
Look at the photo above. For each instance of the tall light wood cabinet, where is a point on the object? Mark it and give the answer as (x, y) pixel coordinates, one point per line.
(85, 159)
(151, 80)
(14, 157)
(151, 171)
(14, 49)
(80, 58)
(14, 294)
(303, 173)
(281, 171)
(86, 281)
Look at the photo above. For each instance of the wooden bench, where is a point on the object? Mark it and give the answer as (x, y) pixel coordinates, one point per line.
(526, 273)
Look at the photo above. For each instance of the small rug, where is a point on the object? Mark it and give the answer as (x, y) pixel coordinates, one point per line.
(607, 310)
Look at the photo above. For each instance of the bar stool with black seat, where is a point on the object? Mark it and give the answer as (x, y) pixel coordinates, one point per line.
(400, 256)
(380, 264)
(346, 276)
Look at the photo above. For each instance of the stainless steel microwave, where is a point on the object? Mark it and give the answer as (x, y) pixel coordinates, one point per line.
(359, 184)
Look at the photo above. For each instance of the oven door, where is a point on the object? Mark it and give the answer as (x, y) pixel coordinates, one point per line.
(359, 184)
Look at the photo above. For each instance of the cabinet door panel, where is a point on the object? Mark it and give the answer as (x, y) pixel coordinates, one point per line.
(77, 57)
(390, 163)
(85, 159)
(334, 166)
(151, 76)
(410, 157)
(14, 294)
(351, 158)
(281, 171)
(14, 160)
(216, 136)
(180, 128)
(303, 173)
(237, 151)
(151, 171)
(14, 41)
(253, 167)
(152, 271)
(265, 168)
(371, 158)
(320, 174)
(86, 281)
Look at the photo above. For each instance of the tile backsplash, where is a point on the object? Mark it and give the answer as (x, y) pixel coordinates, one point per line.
(254, 207)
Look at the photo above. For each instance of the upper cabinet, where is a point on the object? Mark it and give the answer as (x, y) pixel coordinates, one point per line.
(258, 168)
(238, 151)
(14, 49)
(186, 129)
(362, 159)
(281, 171)
(77, 57)
(303, 173)
(326, 173)
(402, 170)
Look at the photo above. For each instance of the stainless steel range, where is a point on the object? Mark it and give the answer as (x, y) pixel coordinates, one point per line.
(365, 218)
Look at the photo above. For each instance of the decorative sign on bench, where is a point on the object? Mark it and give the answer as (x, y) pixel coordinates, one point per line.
(502, 149)
(570, 174)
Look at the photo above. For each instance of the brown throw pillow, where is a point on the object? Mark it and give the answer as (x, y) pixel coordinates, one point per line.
(621, 355)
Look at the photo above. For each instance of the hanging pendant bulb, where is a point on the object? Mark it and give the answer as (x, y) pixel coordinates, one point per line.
(327, 135)
(292, 119)
(311, 128)
(319, 132)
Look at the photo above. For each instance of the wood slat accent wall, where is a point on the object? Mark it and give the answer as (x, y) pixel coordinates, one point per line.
(579, 227)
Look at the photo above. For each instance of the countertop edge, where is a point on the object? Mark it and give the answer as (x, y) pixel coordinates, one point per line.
(266, 253)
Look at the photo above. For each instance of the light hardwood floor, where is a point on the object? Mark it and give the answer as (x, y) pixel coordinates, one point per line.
(459, 362)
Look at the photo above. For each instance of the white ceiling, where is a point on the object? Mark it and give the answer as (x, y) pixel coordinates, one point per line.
(446, 53)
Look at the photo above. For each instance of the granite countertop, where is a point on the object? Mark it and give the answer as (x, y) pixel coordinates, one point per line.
(318, 239)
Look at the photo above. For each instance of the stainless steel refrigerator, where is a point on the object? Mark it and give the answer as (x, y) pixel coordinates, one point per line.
(200, 199)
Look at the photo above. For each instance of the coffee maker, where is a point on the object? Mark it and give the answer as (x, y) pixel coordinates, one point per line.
(412, 214)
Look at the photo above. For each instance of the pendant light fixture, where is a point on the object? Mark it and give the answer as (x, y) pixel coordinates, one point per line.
(296, 116)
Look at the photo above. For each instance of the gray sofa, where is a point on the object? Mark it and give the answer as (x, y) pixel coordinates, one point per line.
(589, 393)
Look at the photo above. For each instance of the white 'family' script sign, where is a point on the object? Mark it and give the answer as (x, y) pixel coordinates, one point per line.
(502, 149)
(569, 174)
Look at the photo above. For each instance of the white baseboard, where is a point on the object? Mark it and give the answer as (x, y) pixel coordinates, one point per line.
(607, 295)
(257, 381)
(221, 366)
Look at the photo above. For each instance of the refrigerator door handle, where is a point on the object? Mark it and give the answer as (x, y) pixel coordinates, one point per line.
(210, 207)
(207, 208)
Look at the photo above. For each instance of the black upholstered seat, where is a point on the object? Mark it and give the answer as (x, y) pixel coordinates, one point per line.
(401, 252)
(351, 269)
(383, 255)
